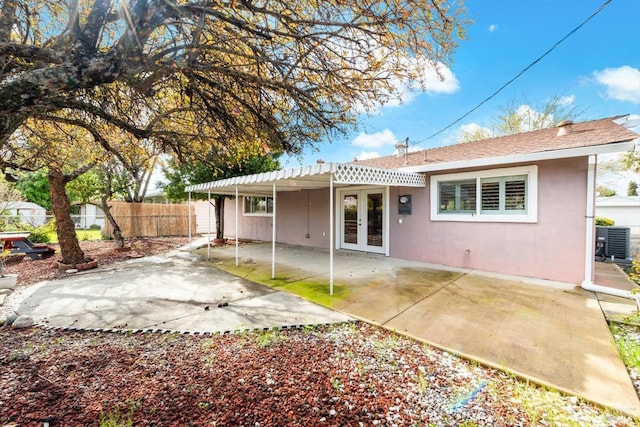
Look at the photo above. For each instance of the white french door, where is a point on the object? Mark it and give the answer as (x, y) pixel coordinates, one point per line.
(362, 220)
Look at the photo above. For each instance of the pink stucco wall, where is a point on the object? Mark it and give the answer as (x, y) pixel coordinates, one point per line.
(298, 214)
(552, 248)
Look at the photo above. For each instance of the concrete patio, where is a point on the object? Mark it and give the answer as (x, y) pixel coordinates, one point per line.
(554, 334)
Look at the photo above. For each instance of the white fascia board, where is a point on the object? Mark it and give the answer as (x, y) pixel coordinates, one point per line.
(227, 186)
(617, 147)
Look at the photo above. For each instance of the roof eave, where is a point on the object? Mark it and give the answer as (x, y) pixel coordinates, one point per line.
(617, 147)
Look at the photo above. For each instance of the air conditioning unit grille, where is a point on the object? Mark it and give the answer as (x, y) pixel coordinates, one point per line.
(617, 241)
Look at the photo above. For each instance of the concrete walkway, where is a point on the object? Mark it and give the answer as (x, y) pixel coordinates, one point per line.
(553, 334)
(174, 293)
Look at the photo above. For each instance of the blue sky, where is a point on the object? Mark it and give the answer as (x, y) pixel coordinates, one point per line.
(597, 69)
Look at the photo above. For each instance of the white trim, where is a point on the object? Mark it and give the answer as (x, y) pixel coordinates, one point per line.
(209, 219)
(532, 196)
(310, 177)
(387, 220)
(244, 205)
(524, 158)
(362, 246)
(237, 232)
(331, 234)
(189, 210)
(589, 251)
(273, 235)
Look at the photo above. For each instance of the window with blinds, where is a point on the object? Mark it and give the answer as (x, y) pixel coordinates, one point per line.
(457, 196)
(504, 195)
(501, 195)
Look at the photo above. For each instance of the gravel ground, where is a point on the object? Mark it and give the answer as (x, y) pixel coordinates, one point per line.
(630, 334)
(353, 374)
(347, 375)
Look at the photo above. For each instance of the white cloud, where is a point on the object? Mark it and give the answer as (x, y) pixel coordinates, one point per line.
(364, 155)
(375, 140)
(567, 100)
(493, 27)
(622, 83)
(428, 80)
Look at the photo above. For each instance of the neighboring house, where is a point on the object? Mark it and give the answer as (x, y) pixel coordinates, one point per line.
(155, 196)
(625, 211)
(26, 212)
(517, 205)
(90, 214)
(205, 217)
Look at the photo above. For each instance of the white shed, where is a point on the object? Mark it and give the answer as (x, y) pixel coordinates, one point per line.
(90, 214)
(625, 211)
(27, 212)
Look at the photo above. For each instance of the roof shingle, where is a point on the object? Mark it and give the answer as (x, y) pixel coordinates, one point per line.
(585, 134)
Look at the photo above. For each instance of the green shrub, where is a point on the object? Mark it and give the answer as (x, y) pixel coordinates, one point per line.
(608, 222)
(634, 270)
(94, 227)
(43, 233)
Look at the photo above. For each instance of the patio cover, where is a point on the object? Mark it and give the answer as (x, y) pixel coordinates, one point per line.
(321, 175)
(310, 177)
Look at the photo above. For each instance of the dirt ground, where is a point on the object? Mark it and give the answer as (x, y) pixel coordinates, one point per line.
(104, 251)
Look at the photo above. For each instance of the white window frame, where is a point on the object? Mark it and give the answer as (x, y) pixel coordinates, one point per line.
(531, 214)
(244, 206)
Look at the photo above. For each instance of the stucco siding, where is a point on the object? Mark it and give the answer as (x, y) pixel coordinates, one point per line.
(301, 214)
(298, 214)
(250, 227)
(551, 248)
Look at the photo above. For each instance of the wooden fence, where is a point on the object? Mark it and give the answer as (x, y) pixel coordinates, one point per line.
(151, 219)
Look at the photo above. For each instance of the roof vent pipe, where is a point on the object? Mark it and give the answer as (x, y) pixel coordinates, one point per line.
(320, 162)
(565, 127)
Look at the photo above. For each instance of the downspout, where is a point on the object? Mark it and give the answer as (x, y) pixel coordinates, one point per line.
(589, 255)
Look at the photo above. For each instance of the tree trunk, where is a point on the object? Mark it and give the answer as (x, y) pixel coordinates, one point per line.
(65, 227)
(106, 195)
(117, 233)
(219, 216)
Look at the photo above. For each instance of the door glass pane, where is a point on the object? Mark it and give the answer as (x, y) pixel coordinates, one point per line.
(374, 219)
(350, 209)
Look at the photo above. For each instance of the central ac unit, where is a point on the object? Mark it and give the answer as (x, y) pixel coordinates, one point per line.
(616, 241)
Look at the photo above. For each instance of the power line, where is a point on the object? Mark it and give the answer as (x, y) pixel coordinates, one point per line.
(524, 70)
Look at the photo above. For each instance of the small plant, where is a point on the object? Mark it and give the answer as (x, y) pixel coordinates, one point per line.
(117, 418)
(3, 255)
(629, 349)
(634, 270)
(269, 337)
(602, 221)
(336, 384)
(423, 381)
(44, 233)
(16, 355)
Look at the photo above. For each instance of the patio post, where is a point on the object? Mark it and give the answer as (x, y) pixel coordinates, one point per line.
(387, 220)
(331, 234)
(189, 220)
(273, 235)
(209, 228)
(237, 226)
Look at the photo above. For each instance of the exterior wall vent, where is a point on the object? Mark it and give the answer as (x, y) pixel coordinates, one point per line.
(565, 127)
